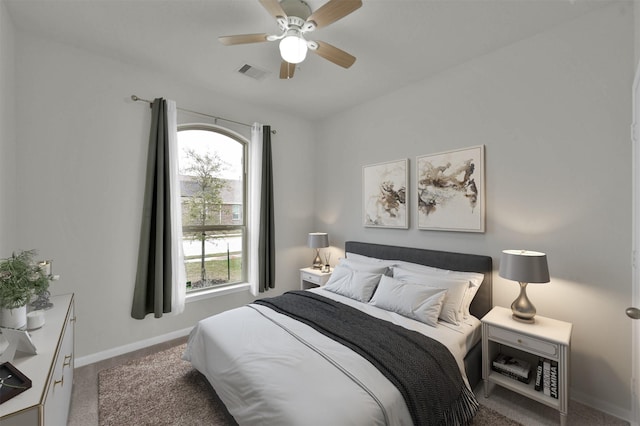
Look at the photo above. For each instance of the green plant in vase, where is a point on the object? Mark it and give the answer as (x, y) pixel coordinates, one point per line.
(20, 279)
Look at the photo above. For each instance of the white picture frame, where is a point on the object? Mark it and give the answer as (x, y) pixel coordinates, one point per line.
(451, 190)
(19, 341)
(385, 188)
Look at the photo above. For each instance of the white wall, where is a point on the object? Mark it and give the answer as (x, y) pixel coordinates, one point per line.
(7, 133)
(81, 157)
(636, 14)
(553, 112)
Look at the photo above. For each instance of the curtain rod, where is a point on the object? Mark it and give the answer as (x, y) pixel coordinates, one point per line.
(138, 99)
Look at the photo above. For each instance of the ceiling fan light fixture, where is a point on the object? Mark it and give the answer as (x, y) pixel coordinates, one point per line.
(295, 19)
(293, 48)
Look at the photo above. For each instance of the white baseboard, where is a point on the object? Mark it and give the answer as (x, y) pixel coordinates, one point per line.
(121, 350)
(600, 405)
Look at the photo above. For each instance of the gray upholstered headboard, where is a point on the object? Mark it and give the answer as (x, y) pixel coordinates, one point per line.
(482, 303)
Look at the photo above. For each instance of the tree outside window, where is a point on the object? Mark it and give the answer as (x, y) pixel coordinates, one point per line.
(213, 200)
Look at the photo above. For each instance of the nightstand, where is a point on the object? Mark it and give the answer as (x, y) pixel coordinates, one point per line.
(546, 338)
(310, 278)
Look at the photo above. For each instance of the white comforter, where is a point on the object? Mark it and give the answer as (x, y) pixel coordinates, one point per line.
(270, 369)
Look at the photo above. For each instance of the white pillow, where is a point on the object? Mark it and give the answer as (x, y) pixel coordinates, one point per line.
(378, 268)
(452, 306)
(475, 280)
(416, 267)
(472, 290)
(365, 259)
(358, 285)
(414, 301)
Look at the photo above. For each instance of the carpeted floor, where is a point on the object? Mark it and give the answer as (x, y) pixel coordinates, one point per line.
(162, 390)
(159, 389)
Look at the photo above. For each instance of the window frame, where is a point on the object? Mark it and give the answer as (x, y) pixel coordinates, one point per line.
(243, 225)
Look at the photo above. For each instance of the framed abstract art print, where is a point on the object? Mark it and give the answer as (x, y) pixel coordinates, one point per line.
(451, 190)
(384, 188)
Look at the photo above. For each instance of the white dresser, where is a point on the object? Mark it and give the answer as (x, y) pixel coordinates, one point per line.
(51, 371)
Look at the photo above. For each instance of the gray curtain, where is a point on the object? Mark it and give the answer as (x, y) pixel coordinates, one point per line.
(266, 245)
(152, 293)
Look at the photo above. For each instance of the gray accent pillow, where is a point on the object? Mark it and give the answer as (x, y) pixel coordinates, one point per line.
(358, 285)
(415, 301)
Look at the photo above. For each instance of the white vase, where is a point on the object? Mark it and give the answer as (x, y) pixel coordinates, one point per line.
(13, 318)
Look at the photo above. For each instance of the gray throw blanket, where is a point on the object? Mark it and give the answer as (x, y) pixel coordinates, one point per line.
(423, 369)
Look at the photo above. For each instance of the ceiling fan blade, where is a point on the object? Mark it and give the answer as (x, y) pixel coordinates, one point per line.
(333, 10)
(242, 39)
(333, 54)
(287, 70)
(274, 8)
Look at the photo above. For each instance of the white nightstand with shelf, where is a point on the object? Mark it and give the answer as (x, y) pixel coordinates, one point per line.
(310, 278)
(546, 338)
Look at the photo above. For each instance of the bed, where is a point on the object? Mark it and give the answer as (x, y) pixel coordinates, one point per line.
(312, 358)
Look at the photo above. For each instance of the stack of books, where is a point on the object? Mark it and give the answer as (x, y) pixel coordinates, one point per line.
(547, 377)
(512, 367)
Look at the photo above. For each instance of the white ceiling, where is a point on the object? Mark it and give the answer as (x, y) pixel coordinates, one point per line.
(396, 42)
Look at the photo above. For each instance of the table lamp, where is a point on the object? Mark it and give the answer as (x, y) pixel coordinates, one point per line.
(525, 267)
(318, 240)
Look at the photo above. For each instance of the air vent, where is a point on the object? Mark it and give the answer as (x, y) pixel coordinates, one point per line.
(253, 72)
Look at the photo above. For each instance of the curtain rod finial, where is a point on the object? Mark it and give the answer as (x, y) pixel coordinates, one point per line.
(134, 98)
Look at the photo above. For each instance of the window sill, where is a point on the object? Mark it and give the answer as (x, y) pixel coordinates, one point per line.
(215, 292)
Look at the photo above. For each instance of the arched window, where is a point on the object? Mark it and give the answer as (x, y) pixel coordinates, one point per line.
(213, 185)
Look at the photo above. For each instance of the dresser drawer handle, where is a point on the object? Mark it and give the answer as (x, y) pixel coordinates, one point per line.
(520, 341)
(59, 382)
(67, 361)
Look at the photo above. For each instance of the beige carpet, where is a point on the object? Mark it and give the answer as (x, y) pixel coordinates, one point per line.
(163, 390)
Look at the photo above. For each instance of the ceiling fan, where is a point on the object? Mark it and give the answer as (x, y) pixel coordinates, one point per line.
(295, 19)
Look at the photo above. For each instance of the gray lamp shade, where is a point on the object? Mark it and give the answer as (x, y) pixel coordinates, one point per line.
(524, 266)
(318, 240)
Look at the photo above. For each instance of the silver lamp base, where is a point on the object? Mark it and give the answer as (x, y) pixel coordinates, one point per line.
(522, 308)
(317, 262)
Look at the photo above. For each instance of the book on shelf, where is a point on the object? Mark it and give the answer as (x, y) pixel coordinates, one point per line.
(547, 379)
(512, 375)
(512, 365)
(554, 380)
(538, 385)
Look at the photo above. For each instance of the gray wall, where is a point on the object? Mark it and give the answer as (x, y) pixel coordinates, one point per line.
(553, 112)
(81, 155)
